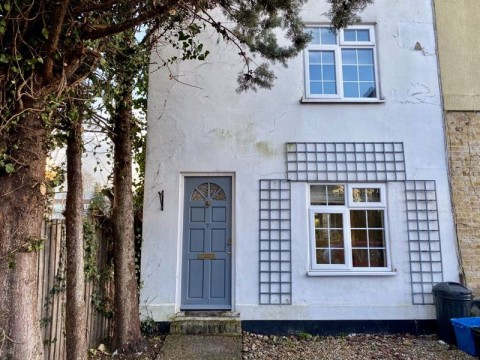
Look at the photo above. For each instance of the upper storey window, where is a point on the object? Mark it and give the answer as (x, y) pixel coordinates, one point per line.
(341, 65)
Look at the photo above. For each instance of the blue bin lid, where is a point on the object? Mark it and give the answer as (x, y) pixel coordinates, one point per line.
(452, 290)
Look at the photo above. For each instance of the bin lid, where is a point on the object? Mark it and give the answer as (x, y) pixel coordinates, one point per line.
(452, 290)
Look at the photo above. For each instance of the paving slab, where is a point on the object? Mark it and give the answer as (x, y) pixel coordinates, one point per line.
(202, 347)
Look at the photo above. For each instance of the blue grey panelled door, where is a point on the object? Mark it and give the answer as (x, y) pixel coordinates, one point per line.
(207, 244)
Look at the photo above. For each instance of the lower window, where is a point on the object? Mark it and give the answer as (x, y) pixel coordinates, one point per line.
(348, 227)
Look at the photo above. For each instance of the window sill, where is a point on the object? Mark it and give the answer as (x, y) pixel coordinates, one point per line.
(315, 273)
(340, 101)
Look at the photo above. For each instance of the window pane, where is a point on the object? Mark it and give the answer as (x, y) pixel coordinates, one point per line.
(328, 57)
(315, 57)
(366, 73)
(378, 258)
(360, 257)
(318, 195)
(359, 238)
(350, 89)
(336, 239)
(350, 35)
(322, 70)
(365, 56)
(315, 33)
(329, 72)
(350, 73)
(363, 35)
(349, 56)
(321, 221)
(367, 89)
(375, 238)
(328, 36)
(315, 72)
(336, 221)
(323, 256)
(321, 238)
(375, 219)
(358, 219)
(337, 256)
(336, 195)
(316, 88)
(366, 195)
(329, 88)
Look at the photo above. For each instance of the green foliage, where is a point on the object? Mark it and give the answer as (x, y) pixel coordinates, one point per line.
(344, 13)
(148, 326)
(98, 206)
(102, 304)
(35, 244)
(90, 248)
(306, 336)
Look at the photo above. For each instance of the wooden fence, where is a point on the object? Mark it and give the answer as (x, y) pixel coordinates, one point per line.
(51, 292)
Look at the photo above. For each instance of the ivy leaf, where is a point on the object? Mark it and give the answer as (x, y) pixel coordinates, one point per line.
(45, 33)
(182, 36)
(7, 6)
(9, 168)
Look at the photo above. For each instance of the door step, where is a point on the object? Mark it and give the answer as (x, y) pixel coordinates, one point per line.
(206, 323)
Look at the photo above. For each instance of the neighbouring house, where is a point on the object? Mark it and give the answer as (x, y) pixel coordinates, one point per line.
(458, 33)
(321, 205)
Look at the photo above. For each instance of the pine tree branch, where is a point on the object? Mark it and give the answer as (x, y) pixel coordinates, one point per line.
(94, 32)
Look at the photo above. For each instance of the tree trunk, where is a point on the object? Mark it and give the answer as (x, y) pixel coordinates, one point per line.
(75, 319)
(21, 212)
(127, 319)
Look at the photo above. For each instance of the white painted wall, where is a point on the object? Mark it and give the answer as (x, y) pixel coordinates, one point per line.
(206, 128)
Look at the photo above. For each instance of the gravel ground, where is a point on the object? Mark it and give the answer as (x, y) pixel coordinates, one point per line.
(350, 347)
(308, 347)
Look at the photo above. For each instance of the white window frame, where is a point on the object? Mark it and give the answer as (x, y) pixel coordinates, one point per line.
(348, 268)
(337, 49)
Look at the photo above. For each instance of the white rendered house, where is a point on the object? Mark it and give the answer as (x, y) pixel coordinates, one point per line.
(324, 200)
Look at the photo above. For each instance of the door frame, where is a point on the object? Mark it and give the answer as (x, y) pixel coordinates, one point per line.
(180, 232)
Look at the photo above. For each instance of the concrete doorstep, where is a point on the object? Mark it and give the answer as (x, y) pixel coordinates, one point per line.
(202, 347)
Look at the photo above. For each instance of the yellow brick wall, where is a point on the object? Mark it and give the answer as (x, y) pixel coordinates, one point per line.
(463, 137)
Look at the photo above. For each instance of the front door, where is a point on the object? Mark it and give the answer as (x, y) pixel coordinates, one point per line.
(207, 243)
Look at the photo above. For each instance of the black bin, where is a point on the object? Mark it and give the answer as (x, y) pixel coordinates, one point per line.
(476, 339)
(452, 300)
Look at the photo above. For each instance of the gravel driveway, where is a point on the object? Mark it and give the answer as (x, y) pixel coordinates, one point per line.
(308, 347)
(350, 347)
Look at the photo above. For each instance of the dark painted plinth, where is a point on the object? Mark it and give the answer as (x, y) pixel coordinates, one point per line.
(339, 327)
(329, 327)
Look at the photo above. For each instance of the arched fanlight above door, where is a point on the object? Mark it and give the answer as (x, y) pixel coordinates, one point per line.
(208, 192)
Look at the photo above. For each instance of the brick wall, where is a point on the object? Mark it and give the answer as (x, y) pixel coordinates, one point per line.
(463, 137)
